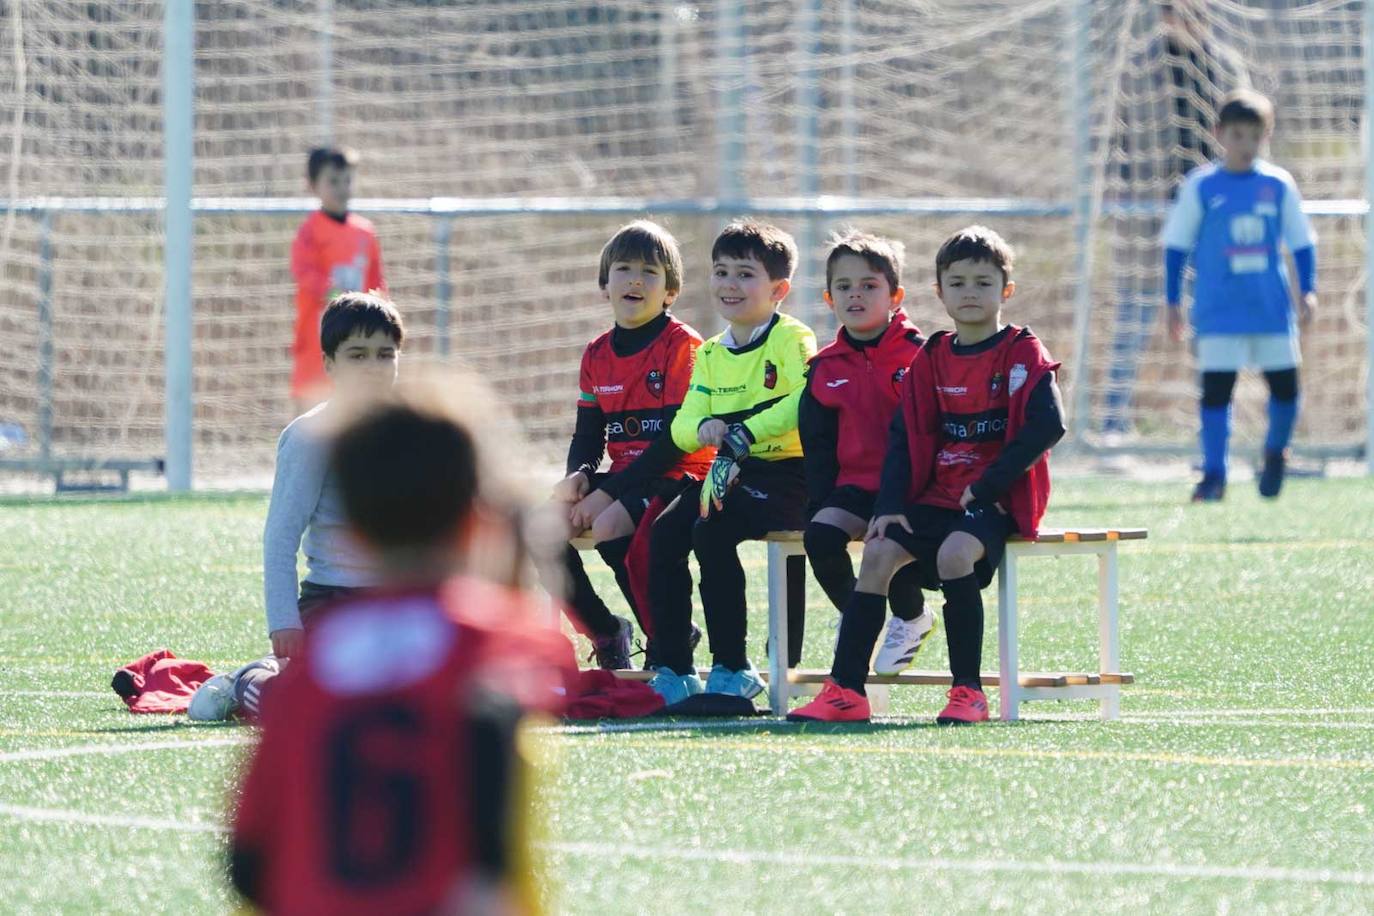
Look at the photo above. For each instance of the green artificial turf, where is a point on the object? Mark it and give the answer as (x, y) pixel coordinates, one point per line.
(1240, 777)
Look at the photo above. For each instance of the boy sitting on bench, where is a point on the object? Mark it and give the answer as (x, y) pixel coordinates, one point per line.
(965, 469)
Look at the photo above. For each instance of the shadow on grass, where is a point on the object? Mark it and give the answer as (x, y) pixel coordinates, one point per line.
(179, 724)
(707, 728)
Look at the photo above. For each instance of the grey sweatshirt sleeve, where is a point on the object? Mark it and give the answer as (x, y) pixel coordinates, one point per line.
(302, 455)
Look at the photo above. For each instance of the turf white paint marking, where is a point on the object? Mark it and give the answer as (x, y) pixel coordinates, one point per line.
(800, 860)
(103, 694)
(810, 860)
(61, 816)
(85, 750)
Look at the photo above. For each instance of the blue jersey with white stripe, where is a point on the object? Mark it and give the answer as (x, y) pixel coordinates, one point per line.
(1231, 225)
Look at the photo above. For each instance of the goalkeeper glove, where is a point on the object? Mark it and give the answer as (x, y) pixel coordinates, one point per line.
(734, 448)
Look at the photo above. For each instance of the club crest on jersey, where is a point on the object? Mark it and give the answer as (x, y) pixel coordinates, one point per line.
(996, 384)
(654, 382)
(1018, 378)
(899, 375)
(770, 375)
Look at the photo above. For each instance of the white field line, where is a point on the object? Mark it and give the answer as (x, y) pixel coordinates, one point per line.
(613, 852)
(85, 750)
(62, 816)
(103, 694)
(978, 866)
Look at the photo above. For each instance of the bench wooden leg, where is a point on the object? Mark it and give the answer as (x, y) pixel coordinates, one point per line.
(879, 699)
(1108, 635)
(778, 692)
(1008, 668)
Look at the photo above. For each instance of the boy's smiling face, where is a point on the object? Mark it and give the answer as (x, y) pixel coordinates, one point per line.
(638, 291)
(860, 296)
(743, 293)
(334, 187)
(364, 364)
(973, 293)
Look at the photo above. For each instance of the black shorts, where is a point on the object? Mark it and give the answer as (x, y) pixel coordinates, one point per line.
(932, 524)
(767, 496)
(313, 597)
(854, 500)
(637, 498)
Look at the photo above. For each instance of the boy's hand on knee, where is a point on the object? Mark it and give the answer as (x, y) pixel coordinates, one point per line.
(287, 643)
(585, 512)
(877, 528)
(571, 488)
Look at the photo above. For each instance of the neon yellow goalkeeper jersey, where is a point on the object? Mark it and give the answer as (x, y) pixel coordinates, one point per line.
(759, 383)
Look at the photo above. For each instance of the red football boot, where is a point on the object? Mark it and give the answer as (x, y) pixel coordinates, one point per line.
(833, 704)
(966, 706)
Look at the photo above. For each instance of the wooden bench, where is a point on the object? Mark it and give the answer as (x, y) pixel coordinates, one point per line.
(1014, 686)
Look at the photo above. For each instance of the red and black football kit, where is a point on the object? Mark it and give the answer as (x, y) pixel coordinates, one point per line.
(632, 383)
(387, 772)
(852, 393)
(980, 417)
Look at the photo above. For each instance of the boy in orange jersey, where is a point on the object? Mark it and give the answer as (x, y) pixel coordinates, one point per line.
(334, 252)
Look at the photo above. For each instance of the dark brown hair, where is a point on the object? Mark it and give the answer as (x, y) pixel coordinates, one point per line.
(408, 473)
(975, 243)
(772, 247)
(358, 313)
(340, 157)
(883, 255)
(645, 241)
(1245, 106)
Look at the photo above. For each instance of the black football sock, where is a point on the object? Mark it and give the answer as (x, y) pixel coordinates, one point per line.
(827, 547)
(964, 629)
(796, 609)
(614, 553)
(722, 593)
(860, 625)
(589, 615)
(904, 594)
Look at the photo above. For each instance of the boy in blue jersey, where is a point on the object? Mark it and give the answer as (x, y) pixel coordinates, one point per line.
(1231, 217)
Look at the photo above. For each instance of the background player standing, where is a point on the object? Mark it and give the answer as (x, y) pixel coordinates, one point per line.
(1231, 219)
(334, 252)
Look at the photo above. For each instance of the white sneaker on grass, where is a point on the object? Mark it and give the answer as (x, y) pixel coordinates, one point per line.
(904, 639)
(213, 700)
(218, 698)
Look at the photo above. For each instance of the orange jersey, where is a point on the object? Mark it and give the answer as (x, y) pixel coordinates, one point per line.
(328, 257)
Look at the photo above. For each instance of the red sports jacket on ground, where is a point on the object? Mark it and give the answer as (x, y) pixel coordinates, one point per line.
(159, 682)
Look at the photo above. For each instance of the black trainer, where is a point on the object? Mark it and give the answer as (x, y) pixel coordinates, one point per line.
(1210, 490)
(651, 657)
(1271, 477)
(612, 653)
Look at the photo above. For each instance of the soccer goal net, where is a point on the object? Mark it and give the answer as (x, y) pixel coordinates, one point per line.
(502, 141)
